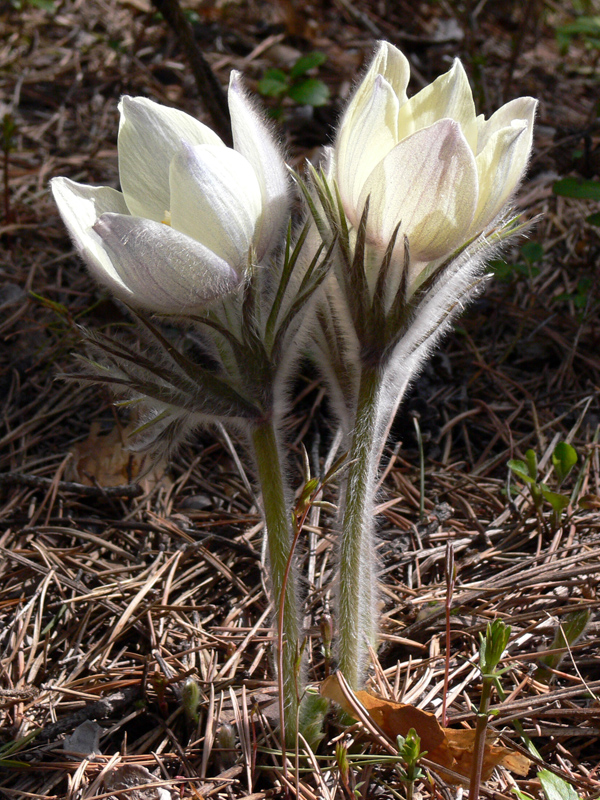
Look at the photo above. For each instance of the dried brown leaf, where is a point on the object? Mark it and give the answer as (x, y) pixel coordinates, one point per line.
(105, 460)
(449, 748)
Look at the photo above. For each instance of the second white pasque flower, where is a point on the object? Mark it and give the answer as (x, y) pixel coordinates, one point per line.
(428, 163)
(192, 212)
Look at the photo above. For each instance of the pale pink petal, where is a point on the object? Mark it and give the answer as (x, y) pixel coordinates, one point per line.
(428, 183)
(165, 270)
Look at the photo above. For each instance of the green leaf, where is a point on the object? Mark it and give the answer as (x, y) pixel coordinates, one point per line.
(44, 5)
(555, 787)
(564, 459)
(532, 251)
(573, 626)
(520, 468)
(593, 219)
(521, 795)
(310, 92)
(274, 83)
(502, 269)
(558, 501)
(586, 26)
(532, 463)
(307, 62)
(569, 631)
(579, 189)
(493, 645)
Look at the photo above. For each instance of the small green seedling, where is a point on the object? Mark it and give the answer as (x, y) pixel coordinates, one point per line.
(190, 700)
(44, 5)
(553, 786)
(526, 267)
(409, 750)
(296, 84)
(568, 632)
(579, 189)
(586, 29)
(564, 459)
(345, 771)
(491, 649)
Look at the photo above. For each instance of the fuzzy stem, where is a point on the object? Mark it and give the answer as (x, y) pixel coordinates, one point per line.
(357, 591)
(279, 530)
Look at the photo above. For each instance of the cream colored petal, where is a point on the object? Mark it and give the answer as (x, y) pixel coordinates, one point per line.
(428, 183)
(392, 65)
(361, 146)
(501, 165)
(149, 137)
(254, 141)
(166, 270)
(80, 207)
(522, 108)
(216, 199)
(449, 96)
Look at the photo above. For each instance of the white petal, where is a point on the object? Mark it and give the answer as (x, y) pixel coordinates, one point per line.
(149, 137)
(80, 207)
(392, 65)
(254, 141)
(522, 108)
(428, 183)
(501, 165)
(449, 96)
(216, 199)
(363, 143)
(166, 270)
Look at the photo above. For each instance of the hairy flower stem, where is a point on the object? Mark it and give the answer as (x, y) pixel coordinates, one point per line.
(357, 593)
(279, 538)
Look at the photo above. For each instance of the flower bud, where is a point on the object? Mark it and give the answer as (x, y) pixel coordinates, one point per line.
(427, 164)
(192, 215)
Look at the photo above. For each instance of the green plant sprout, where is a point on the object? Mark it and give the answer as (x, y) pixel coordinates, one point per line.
(409, 750)
(406, 764)
(491, 648)
(344, 768)
(553, 786)
(296, 84)
(579, 189)
(584, 28)
(531, 253)
(564, 459)
(568, 632)
(10, 749)
(190, 700)
(43, 5)
(580, 297)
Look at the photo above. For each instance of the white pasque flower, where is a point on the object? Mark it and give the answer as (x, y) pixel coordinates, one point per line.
(429, 163)
(192, 212)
